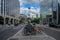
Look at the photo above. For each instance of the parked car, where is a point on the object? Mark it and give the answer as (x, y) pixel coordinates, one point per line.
(53, 25)
(16, 24)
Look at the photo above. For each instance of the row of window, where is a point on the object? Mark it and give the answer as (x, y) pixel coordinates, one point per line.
(8, 5)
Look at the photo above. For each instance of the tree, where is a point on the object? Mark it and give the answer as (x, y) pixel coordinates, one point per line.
(35, 20)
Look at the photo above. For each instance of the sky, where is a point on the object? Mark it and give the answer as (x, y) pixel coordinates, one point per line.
(30, 3)
(34, 6)
(44, 6)
(38, 6)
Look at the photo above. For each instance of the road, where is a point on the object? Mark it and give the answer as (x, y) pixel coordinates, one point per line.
(13, 30)
(54, 32)
(39, 36)
(9, 32)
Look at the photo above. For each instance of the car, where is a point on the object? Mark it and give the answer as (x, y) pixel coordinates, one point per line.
(34, 23)
(16, 24)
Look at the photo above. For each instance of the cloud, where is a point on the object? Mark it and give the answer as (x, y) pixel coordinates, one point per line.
(59, 1)
(31, 10)
(24, 10)
(32, 2)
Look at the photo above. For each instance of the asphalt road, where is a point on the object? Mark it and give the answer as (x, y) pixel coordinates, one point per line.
(55, 33)
(9, 32)
(39, 36)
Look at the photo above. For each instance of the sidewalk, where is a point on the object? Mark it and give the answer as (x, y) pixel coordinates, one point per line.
(19, 36)
(3, 27)
(54, 32)
(46, 26)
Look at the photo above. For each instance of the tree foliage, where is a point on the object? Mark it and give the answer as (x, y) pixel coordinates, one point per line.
(35, 20)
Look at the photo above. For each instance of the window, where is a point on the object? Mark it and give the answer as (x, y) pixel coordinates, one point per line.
(1, 6)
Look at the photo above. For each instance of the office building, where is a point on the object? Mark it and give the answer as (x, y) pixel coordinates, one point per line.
(10, 10)
(56, 13)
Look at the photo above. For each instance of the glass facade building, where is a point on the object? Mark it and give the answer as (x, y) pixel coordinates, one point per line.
(7, 6)
(12, 6)
(58, 11)
(0, 6)
(54, 6)
(46, 9)
(54, 11)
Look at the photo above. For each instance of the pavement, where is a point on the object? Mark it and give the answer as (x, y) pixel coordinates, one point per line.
(10, 31)
(39, 36)
(3, 27)
(54, 32)
(52, 28)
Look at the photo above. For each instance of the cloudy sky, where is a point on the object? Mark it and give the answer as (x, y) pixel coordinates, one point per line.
(30, 3)
(34, 6)
(44, 6)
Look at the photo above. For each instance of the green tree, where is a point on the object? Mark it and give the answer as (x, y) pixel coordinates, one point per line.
(35, 20)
